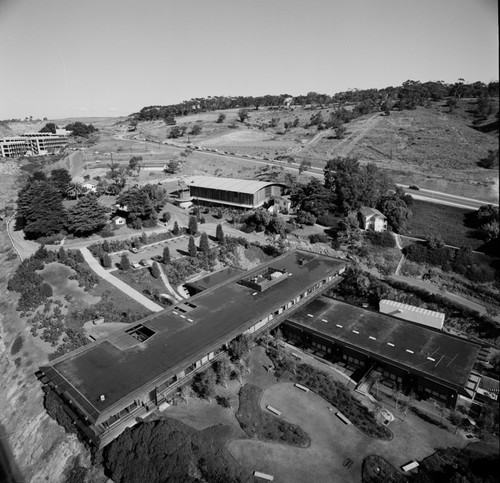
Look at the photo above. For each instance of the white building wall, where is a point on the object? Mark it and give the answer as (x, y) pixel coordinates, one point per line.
(419, 315)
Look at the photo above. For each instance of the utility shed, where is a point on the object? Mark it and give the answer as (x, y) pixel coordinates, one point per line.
(412, 313)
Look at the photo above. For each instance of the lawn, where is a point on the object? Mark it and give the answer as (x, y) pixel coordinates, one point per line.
(444, 221)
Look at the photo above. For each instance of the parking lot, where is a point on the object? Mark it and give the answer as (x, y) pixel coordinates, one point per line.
(178, 247)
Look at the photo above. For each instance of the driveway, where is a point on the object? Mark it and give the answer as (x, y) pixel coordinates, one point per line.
(332, 441)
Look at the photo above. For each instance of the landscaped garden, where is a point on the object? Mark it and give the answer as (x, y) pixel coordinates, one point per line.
(264, 426)
(332, 391)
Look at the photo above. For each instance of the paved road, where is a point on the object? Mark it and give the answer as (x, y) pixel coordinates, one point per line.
(126, 289)
(433, 289)
(421, 194)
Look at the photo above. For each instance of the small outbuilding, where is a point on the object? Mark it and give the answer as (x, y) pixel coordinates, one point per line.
(427, 317)
(372, 219)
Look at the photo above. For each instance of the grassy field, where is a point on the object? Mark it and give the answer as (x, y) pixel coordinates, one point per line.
(444, 221)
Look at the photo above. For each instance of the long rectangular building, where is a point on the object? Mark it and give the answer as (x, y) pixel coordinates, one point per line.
(425, 360)
(31, 144)
(107, 384)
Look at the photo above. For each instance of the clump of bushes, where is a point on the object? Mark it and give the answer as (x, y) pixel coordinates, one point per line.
(257, 423)
(319, 238)
(305, 218)
(381, 238)
(463, 261)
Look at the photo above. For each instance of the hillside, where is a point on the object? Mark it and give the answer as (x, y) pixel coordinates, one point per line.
(428, 146)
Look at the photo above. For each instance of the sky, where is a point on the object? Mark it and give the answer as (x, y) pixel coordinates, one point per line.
(69, 58)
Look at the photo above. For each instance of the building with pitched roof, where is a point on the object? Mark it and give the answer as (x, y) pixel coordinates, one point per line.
(240, 193)
(372, 219)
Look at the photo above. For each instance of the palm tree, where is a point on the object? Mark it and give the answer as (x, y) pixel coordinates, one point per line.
(74, 190)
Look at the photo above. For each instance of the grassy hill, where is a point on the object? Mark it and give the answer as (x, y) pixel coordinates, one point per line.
(428, 146)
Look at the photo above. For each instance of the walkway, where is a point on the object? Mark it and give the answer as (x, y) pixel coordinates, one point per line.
(126, 289)
(169, 288)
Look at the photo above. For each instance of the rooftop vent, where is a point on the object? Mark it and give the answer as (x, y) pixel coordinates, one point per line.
(102, 397)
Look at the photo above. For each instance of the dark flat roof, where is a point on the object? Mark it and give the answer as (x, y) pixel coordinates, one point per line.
(214, 279)
(119, 365)
(453, 357)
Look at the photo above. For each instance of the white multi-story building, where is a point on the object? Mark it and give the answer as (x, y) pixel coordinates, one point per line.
(32, 144)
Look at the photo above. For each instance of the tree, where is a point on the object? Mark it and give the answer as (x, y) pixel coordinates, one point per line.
(204, 383)
(491, 161)
(106, 247)
(177, 132)
(195, 130)
(125, 262)
(49, 127)
(61, 179)
(172, 166)
(155, 270)
(340, 132)
(305, 165)
(106, 260)
(219, 234)
(243, 115)
(40, 209)
(221, 118)
(239, 347)
(223, 369)
(135, 163)
(176, 230)
(87, 216)
(74, 190)
(204, 244)
(191, 247)
(192, 225)
(166, 256)
(396, 210)
(186, 393)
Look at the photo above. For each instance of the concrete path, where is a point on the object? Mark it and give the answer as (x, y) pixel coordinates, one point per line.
(169, 288)
(126, 289)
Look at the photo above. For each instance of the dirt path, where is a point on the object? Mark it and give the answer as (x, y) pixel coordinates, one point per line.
(349, 143)
(126, 289)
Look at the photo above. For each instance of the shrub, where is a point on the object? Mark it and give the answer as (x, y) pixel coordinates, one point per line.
(381, 238)
(327, 219)
(106, 260)
(319, 238)
(305, 218)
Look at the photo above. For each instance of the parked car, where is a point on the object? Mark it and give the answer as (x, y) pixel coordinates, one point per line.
(134, 250)
(413, 187)
(136, 265)
(145, 263)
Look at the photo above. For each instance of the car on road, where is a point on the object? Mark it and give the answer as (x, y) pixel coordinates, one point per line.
(414, 187)
(134, 250)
